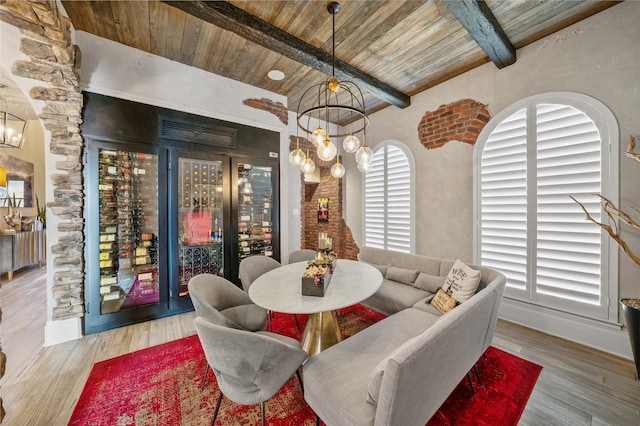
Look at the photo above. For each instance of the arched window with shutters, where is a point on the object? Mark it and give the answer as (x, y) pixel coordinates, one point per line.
(529, 160)
(388, 192)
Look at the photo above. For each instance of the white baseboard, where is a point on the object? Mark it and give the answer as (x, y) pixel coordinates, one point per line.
(599, 335)
(56, 332)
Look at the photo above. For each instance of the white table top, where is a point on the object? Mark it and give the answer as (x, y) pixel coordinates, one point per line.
(280, 289)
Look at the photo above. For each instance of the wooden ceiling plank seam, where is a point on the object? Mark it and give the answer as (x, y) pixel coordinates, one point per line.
(258, 31)
(122, 25)
(349, 22)
(203, 46)
(434, 53)
(383, 19)
(158, 17)
(431, 50)
(175, 32)
(104, 19)
(82, 21)
(406, 45)
(191, 35)
(230, 57)
(216, 54)
(483, 26)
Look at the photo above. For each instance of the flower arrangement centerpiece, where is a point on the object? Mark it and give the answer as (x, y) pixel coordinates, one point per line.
(317, 276)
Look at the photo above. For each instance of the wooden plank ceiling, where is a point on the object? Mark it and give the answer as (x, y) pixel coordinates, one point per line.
(402, 46)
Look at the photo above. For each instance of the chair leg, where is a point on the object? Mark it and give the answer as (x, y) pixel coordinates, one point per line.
(215, 413)
(262, 413)
(473, 392)
(300, 380)
(475, 367)
(204, 379)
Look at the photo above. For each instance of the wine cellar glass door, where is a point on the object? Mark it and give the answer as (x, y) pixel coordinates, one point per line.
(256, 210)
(201, 226)
(124, 251)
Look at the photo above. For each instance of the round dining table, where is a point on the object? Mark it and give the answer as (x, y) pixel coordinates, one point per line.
(280, 290)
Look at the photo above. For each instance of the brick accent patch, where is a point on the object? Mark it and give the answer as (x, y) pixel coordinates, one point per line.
(275, 108)
(458, 121)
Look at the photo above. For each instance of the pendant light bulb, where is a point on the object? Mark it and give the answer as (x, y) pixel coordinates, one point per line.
(327, 150)
(351, 144)
(318, 136)
(337, 171)
(297, 157)
(364, 155)
(308, 166)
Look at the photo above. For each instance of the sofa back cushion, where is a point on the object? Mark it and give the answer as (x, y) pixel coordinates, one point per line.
(398, 259)
(427, 282)
(402, 275)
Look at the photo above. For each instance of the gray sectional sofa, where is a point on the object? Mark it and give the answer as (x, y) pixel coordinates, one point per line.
(401, 369)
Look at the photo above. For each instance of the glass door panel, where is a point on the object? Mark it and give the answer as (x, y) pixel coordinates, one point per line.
(200, 219)
(255, 209)
(128, 229)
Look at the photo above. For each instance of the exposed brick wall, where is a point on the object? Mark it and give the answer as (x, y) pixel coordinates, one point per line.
(52, 57)
(275, 108)
(331, 188)
(459, 121)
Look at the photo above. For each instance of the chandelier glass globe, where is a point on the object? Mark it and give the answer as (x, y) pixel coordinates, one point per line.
(337, 171)
(308, 166)
(318, 136)
(351, 144)
(364, 155)
(327, 150)
(297, 157)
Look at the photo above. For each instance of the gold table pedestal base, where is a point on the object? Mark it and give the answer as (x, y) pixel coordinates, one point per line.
(321, 332)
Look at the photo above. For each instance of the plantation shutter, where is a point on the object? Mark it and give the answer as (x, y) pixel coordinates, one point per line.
(398, 200)
(568, 163)
(387, 192)
(528, 227)
(375, 201)
(503, 188)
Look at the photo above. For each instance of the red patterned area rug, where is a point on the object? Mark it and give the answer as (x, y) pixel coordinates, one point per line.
(161, 386)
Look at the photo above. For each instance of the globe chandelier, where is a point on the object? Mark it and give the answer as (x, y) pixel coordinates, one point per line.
(328, 99)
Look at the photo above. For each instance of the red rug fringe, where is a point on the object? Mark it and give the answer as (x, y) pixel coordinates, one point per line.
(160, 385)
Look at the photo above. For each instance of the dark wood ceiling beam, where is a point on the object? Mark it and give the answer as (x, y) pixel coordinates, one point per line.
(483, 26)
(249, 27)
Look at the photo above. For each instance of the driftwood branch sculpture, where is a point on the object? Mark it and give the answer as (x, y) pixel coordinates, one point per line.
(615, 213)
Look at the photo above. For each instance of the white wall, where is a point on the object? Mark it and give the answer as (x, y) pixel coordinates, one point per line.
(599, 57)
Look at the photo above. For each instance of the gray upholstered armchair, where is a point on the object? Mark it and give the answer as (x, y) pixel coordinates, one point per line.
(252, 267)
(250, 367)
(301, 255)
(223, 303)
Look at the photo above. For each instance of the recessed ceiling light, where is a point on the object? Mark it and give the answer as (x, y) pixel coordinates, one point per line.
(276, 75)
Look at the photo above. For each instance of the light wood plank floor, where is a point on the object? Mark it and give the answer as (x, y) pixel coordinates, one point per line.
(577, 386)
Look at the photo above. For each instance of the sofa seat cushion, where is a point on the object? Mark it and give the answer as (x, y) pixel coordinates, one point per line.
(425, 306)
(393, 297)
(336, 380)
